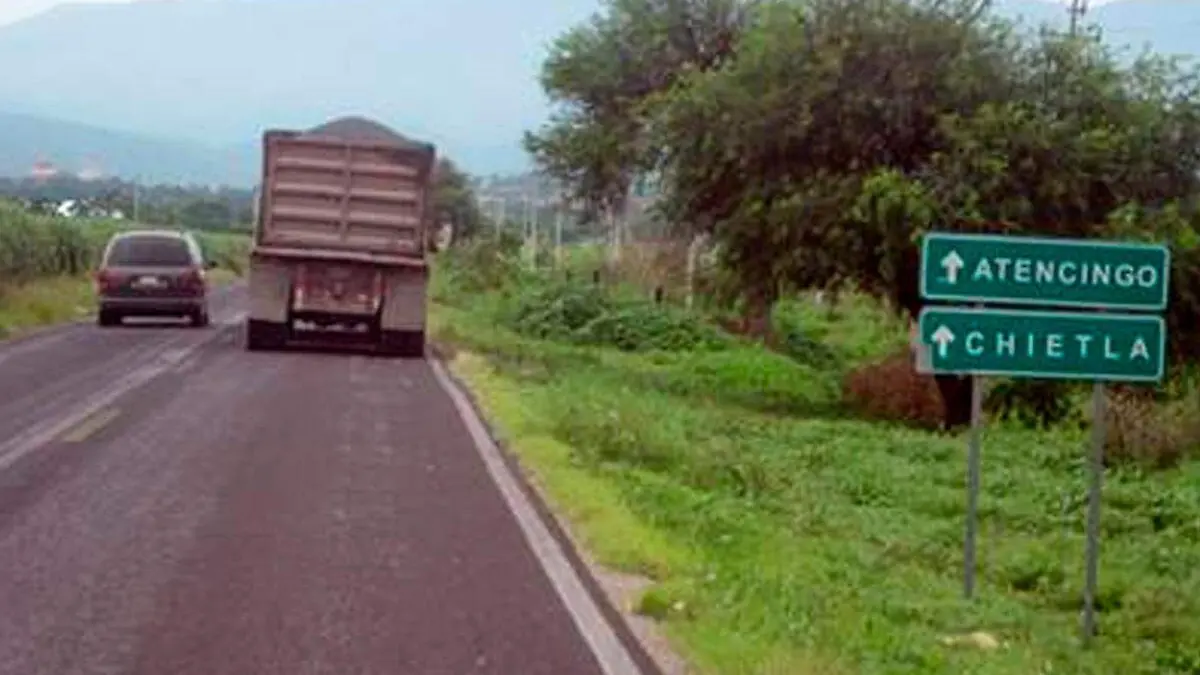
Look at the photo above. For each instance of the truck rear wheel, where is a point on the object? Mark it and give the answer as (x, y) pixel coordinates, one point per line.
(408, 344)
(265, 335)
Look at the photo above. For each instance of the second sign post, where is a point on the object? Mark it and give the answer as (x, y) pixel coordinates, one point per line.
(1096, 345)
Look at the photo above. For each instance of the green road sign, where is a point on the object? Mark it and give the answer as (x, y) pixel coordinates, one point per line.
(1054, 345)
(1045, 272)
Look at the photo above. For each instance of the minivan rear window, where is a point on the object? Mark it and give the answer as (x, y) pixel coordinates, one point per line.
(150, 251)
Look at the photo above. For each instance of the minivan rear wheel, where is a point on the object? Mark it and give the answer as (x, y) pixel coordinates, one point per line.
(199, 318)
(108, 318)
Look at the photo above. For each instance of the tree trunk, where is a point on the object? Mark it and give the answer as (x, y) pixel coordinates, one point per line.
(956, 401)
(955, 391)
(757, 315)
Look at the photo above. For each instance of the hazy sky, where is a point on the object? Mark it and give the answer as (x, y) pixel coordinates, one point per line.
(15, 10)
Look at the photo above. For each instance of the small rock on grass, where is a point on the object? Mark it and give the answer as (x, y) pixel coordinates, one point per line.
(977, 640)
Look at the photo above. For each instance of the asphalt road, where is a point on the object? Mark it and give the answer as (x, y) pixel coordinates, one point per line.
(171, 504)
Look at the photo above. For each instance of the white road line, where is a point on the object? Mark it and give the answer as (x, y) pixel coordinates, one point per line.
(32, 342)
(608, 649)
(41, 435)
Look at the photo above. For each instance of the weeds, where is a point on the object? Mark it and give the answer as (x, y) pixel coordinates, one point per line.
(44, 261)
(804, 539)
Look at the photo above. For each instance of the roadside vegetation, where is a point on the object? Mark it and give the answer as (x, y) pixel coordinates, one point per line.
(766, 454)
(45, 263)
(787, 530)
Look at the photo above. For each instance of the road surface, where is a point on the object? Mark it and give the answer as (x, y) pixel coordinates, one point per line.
(173, 505)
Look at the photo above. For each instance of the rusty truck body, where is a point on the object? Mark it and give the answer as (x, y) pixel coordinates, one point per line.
(342, 215)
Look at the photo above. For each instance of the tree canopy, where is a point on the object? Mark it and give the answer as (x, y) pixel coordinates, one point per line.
(455, 201)
(816, 140)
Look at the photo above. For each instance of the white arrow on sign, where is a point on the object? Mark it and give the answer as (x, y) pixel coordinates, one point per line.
(952, 263)
(942, 337)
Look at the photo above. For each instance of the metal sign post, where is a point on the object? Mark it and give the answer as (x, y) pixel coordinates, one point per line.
(1094, 346)
(1095, 491)
(974, 468)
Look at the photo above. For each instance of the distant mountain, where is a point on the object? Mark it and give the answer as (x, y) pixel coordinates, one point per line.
(459, 73)
(209, 75)
(75, 148)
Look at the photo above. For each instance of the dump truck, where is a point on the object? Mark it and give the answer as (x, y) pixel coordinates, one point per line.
(342, 216)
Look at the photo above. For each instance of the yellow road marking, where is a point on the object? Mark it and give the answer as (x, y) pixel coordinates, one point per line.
(90, 426)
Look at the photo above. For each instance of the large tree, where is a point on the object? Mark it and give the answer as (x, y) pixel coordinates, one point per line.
(602, 76)
(830, 134)
(455, 202)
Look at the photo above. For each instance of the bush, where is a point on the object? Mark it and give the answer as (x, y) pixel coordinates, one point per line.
(1143, 432)
(558, 310)
(33, 246)
(647, 327)
(229, 251)
(839, 333)
(892, 390)
(476, 266)
(589, 314)
(1033, 403)
(748, 377)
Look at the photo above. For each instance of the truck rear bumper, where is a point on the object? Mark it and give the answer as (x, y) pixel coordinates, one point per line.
(397, 297)
(285, 253)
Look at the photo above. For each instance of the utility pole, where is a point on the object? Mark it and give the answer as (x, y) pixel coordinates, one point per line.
(531, 226)
(499, 212)
(1076, 10)
(558, 228)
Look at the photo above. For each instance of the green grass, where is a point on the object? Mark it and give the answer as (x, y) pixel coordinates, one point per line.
(55, 300)
(786, 537)
(45, 261)
(44, 302)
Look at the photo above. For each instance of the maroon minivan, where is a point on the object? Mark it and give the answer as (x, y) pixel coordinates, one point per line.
(159, 273)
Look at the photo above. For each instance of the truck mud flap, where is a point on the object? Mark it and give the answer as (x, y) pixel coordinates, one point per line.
(409, 344)
(265, 335)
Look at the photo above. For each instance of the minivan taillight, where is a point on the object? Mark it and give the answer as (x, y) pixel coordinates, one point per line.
(105, 280)
(193, 279)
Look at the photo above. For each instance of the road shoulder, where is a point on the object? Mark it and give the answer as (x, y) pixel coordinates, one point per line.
(613, 593)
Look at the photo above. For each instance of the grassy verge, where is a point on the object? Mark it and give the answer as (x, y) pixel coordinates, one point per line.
(44, 264)
(785, 536)
(45, 302)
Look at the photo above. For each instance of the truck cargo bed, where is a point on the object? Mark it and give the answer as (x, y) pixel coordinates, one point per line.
(323, 192)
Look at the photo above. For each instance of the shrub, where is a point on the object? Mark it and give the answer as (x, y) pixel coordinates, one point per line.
(892, 390)
(647, 327)
(229, 251)
(558, 310)
(748, 377)
(851, 330)
(1143, 432)
(793, 341)
(476, 266)
(33, 246)
(1033, 403)
(586, 313)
